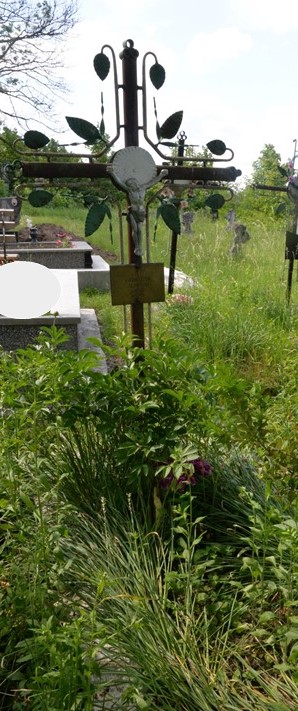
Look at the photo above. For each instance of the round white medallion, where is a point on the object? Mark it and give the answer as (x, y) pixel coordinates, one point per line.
(134, 162)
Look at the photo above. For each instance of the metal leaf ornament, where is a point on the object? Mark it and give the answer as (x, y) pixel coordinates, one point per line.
(84, 129)
(283, 171)
(157, 75)
(170, 216)
(39, 198)
(95, 217)
(281, 208)
(215, 202)
(217, 147)
(101, 65)
(35, 139)
(171, 126)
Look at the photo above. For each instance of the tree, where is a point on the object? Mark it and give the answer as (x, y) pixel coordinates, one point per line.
(30, 33)
(266, 167)
(266, 171)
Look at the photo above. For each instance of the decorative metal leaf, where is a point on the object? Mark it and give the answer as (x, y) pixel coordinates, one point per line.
(169, 144)
(102, 128)
(158, 131)
(95, 217)
(215, 201)
(280, 209)
(170, 216)
(83, 128)
(217, 147)
(283, 171)
(39, 198)
(157, 75)
(172, 124)
(108, 211)
(35, 139)
(101, 65)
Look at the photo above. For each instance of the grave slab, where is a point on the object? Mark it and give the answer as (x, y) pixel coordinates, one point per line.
(79, 256)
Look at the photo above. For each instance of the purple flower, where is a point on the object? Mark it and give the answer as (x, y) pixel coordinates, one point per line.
(165, 483)
(201, 467)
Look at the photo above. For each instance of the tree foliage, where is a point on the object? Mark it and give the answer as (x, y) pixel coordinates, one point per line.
(266, 171)
(265, 168)
(30, 32)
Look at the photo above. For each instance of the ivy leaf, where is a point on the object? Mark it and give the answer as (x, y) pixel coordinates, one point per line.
(283, 171)
(38, 198)
(95, 217)
(172, 124)
(170, 216)
(101, 65)
(216, 147)
(215, 201)
(84, 129)
(35, 139)
(157, 75)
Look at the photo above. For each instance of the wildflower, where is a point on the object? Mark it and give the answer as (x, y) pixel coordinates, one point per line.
(183, 480)
(181, 299)
(201, 467)
(166, 481)
(64, 241)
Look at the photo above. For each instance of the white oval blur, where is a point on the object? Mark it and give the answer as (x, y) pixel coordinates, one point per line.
(27, 290)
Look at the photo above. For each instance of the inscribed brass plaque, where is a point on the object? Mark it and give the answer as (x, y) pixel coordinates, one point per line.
(137, 285)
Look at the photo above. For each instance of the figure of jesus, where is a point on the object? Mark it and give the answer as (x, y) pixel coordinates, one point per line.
(136, 195)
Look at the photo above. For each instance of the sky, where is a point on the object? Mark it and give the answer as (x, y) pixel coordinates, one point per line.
(231, 65)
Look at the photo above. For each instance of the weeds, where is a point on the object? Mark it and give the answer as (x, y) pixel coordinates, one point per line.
(148, 524)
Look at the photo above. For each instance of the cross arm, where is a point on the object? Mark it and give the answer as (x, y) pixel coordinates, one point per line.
(101, 170)
(273, 188)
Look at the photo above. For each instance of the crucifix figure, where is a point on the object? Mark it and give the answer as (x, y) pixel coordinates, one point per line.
(134, 171)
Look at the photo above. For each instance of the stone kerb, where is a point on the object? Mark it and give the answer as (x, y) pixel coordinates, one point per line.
(79, 256)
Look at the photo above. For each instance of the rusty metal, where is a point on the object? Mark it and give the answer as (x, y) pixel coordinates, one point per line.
(200, 176)
(174, 237)
(99, 170)
(272, 188)
(291, 237)
(129, 57)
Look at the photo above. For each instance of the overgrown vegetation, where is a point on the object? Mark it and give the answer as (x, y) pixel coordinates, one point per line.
(148, 526)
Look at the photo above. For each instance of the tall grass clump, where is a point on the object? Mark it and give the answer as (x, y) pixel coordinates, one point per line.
(192, 626)
(45, 661)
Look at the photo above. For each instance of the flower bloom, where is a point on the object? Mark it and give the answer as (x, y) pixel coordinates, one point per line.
(201, 468)
(64, 242)
(180, 299)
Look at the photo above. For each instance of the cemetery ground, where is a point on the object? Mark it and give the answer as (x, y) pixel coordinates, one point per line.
(149, 529)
